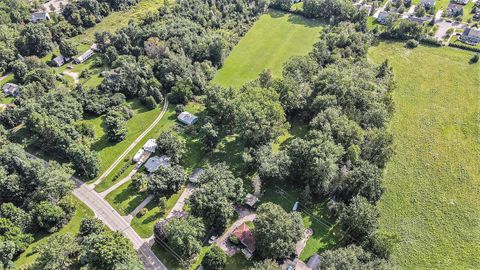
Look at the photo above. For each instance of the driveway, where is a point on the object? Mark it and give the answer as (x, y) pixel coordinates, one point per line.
(181, 200)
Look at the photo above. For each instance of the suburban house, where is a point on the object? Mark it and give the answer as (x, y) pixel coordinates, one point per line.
(420, 20)
(10, 89)
(84, 57)
(427, 4)
(187, 118)
(144, 153)
(60, 61)
(461, 2)
(195, 175)
(155, 162)
(40, 16)
(454, 10)
(314, 261)
(246, 238)
(471, 36)
(383, 17)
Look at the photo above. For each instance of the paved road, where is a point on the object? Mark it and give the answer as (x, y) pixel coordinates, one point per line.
(125, 153)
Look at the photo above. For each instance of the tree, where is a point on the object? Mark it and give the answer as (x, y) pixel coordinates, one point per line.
(167, 180)
(474, 58)
(116, 126)
(12, 241)
(359, 218)
(365, 180)
(277, 231)
(67, 49)
(140, 181)
(184, 235)
(171, 146)
(351, 257)
(265, 265)
(209, 135)
(214, 200)
(215, 259)
(377, 147)
(91, 225)
(181, 93)
(35, 39)
(16, 215)
(60, 252)
(272, 166)
(49, 216)
(281, 4)
(84, 160)
(259, 116)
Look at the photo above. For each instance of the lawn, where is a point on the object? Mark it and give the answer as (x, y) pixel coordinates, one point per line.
(431, 199)
(272, 40)
(29, 256)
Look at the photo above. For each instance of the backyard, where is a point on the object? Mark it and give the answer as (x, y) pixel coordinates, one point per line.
(431, 200)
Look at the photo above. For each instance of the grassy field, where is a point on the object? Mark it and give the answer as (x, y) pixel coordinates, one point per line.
(432, 193)
(72, 227)
(273, 39)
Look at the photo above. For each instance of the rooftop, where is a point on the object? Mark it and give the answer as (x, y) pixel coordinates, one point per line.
(245, 236)
(187, 118)
(155, 162)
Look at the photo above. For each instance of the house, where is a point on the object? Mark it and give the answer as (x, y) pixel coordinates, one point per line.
(420, 20)
(367, 8)
(138, 155)
(471, 36)
(383, 17)
(84, 57)
(155, 162)
(40, 16)
(313, 261)
(251, 200)
(461, 2)
(10, 89)
(59, 61)
(454, 10)
(150, 146)
(187, 118)
(195, 175)
(427, 4)
(245, 236)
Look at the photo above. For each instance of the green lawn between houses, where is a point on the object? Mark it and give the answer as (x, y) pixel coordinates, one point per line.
(273, 39)
(29, 256)
(432, 195)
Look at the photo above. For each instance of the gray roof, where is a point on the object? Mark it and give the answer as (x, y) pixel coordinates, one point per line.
(10, 89)
(155, 162)
(455, 7)
(59, 60)
(187, 118)
(471, 32)
(40, 16)
(150, 145)
(428, 2)
(82, 58)
(314, 261)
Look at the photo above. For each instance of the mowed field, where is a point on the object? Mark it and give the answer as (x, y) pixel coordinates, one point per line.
(432, 198)
(272, 40)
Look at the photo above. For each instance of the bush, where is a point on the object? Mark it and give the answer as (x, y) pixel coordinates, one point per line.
(215, 259)
(143, 212)
(474, 59)
(150, 102)
(233, 239)
(179, 108)
(411, 43)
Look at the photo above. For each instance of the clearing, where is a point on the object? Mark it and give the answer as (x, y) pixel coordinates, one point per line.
(272, 40)
(432, 182)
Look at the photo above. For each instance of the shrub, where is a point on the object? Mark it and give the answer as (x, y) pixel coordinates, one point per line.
(143, 212)
(411, 43)
(215, 259)
(179, 108)
(233, 239)
(474, 58)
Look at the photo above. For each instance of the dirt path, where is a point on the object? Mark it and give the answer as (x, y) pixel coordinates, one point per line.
(133, 144)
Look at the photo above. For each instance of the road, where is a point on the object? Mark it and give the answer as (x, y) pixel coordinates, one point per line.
(131, 146)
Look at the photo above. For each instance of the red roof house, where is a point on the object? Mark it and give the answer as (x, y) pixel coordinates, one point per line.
(245, 236)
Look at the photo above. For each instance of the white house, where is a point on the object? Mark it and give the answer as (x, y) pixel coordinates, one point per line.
(155, 162)
(40, 16)
(10, 89)
(138, 155)
(150, 146)
(84, 57)
(187, 118)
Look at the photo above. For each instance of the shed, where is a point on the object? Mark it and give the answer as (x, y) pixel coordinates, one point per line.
(187, 118)
(40, 16)
(313, 261)
(150, 146)
(251, 200)
(59, 61)
(84, 57)
(138, 155)
(11, 89)
(461, 2)
(195, 175)
(155, 162)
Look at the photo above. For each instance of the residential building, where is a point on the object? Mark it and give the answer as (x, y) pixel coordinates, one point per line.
(10, 89)
(420, 20)
(461, 2)
(471, 36)
(59, 61)
(246, 238)
(454, 10)
(150, 146)
(187, 118)
(40, 16)
(428, 4)
(155, 162)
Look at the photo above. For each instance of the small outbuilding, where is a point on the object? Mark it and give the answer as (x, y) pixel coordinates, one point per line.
(251, 200)
(187, 118)
(195, 175)
(84, 57)
(11, 89)
(150, 146)
(59, 61)
(138, 155)
(40, 16)
(314, 261)
(155, 162)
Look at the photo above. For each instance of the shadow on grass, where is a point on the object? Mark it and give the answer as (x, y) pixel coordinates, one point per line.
(295, 18)
(127, 200)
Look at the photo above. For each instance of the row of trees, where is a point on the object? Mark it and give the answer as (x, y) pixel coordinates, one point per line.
(33, 198)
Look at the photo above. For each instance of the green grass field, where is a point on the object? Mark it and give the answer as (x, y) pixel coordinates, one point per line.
(272, 40)
(432, 195)
(29, 256)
